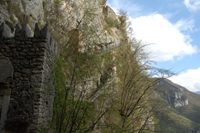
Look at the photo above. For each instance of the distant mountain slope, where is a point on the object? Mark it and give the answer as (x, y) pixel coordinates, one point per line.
(179, 111)
(198, 92)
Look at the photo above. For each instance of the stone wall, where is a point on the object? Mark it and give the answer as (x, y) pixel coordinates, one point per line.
(32, 92)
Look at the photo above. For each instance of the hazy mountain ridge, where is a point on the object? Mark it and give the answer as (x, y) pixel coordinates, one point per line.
(198, 92)
(180, 108)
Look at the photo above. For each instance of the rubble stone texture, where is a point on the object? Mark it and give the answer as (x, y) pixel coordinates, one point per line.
(28, 76)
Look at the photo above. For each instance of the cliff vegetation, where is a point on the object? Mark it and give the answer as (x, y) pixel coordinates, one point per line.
(101, 75)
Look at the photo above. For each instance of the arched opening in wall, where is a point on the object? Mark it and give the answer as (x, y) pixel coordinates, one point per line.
(6, 73)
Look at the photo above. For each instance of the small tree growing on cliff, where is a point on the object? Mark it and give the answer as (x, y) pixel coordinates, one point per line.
(134, 87)
(133, 108)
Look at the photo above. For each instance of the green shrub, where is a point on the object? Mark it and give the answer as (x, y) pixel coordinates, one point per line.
(112, 22)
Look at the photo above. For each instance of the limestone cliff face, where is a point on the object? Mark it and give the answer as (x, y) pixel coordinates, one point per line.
(94, 15)
(173, 94)
(12, 10)
(25, 13)
(72, 12)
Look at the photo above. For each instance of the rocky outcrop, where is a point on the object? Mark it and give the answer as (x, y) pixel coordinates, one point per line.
(13, 11)
(172, 93)
(179, 110)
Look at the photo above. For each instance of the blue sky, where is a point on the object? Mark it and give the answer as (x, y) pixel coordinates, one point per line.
(172, 28)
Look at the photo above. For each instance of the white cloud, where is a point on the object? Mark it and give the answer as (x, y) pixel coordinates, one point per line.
(167, 41)
(186, 25)
(189, 79)
(192, 5)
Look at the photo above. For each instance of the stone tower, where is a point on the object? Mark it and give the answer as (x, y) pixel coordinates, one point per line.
(26, 81)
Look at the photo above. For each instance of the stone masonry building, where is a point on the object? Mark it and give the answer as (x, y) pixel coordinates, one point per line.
(26, 84)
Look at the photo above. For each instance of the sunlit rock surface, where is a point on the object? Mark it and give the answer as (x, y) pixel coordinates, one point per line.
(172, 93)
